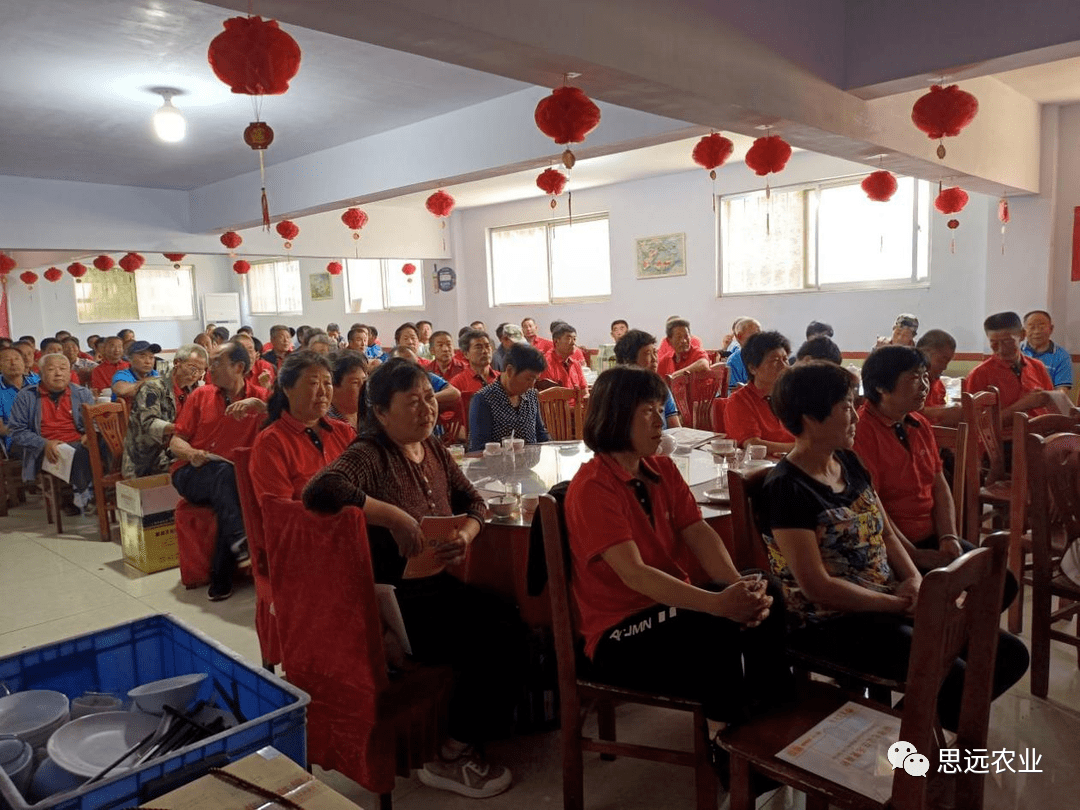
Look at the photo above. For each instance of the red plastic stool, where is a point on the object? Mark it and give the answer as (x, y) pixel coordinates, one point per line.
(196, 536)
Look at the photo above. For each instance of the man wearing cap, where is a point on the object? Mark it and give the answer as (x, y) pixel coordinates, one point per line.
(127, 382)
(507, 334)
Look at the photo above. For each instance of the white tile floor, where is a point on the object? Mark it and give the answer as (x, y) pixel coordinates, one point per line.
(52, 587)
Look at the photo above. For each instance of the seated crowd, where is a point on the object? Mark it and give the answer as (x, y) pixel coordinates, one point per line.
(855, 511)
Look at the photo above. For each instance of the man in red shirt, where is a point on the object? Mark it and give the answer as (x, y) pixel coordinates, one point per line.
(444, 361)
(684, 359)
(562, 369)
(112, 361)
(1023, 383)
(216, 420)
(529, 330)
(939, 347)
(261, 371)
(666, 349)
(476, 346)
(281, 344)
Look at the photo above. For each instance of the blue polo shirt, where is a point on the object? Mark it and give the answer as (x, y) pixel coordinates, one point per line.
(376, 353)
(128, 375)
(7, 397)
(1057, 362)
(736, 369)
(670, 409)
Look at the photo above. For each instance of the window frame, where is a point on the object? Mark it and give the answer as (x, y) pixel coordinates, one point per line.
(811, 249)
(548, 226)
(384, 284)
(190, 268)
(277, 295)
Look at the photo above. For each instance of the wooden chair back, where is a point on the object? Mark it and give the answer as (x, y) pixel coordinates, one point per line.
(965, 483)
(574, 692)
(105, 426)
(982, 412)
(694, 394)
(12, 488)
(680, 392)
(1053, 470)
(563, 413)
(716, 414)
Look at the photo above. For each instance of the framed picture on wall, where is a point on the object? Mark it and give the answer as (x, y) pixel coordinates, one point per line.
(661, 256)
(320, 287)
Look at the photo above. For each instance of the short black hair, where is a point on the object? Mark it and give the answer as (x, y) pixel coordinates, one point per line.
(420, 323)
(884, 366)
(396, 374)
(440, 333)
(760, 344)
(291, 369)
(561, 328)
(615, 398)
(499, 330)
(46, 341)
(1038, 312)
(820, 348)
(246, 330)
(345, 362)
(123, 332)
(554, 323)
(617, 321)
(810, 389)
(1003, 320)
(402, 328)
(356, 330)
(71, 339)
(466, 339)
(236, 353)
(935, 339)
(815, 328)
(628, 346)
(675, 323)
(523, 357)
(221, 333)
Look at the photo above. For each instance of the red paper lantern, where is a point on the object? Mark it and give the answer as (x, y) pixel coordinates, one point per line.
(951, 200)
(408, 269)
(768, 155)
(880, 185)
(712, 151)
(334, 268)
(130, 262)
(7, 264)
(354, 219)
(551, 181)
(254, 56)
(231, 239)
(440, 203)
(174, 257)
(258, 135)
(240, 267)
(77, 269)
(943, 112)
(288, 230)
(28, 277)
(567, 116)
(54, 274)
(104, 263)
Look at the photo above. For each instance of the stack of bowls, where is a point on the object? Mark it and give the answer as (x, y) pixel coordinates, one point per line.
(16, 760)
(33, 715)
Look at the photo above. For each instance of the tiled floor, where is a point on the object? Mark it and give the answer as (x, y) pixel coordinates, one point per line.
(54, 586)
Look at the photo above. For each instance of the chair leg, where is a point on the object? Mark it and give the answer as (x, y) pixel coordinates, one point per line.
(573, 768)
(815, 801)
(1040, 642)
(605, 720)
(386, 801)
(103, 520)
(704, 775)
(740, 796)
(1016, 609)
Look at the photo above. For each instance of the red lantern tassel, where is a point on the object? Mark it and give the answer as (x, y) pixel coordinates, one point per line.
(265, 202)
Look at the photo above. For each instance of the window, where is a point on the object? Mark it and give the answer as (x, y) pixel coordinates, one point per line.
(824, 235)
(554, 262)
(274, 288)
(151, 293)
(379, 284)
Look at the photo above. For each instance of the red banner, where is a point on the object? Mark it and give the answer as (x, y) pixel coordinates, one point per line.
(1076, 245)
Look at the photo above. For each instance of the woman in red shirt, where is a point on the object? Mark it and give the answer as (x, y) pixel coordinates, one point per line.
(748, 417)
(631, 521)
(298, 439)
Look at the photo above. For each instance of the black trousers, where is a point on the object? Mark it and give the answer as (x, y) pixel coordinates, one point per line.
(731, 669)
(480, 637)
(1011, 586)
(214, 485)
(880, 644)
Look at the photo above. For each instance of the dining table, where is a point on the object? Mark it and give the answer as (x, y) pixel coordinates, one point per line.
(497, 560)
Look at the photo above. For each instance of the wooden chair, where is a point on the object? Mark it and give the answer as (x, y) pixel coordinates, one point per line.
(1054, 483)
(361, 722)
(958, 608)
(694, 394)
(1020, 498)
(265, 621)
(12, 487)
(106, 425)
(749, 552)
(716, 414)
(54, 492)
(982, 412)
(564, 421)
(577, 696)
(965, 483)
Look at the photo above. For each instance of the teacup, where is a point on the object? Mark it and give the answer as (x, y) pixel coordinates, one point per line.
(722, 446)
(519, 445)
(757, 452)
(492, 449)
(529, 504)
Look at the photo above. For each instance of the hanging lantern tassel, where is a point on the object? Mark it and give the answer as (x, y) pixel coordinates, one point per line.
(288, 230)
(711, 152)
(408, 269)
(259, 136)
(953, 225)
(768, 154)
(553, 182)
(943, 113)
(1003, 215)
(440, 204)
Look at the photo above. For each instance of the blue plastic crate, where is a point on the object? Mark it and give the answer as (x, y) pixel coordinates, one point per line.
(122, 657)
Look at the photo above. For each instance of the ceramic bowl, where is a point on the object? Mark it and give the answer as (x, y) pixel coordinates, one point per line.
(502, 505)
(178, 692)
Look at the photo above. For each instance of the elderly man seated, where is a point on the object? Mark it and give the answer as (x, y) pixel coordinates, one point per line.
(215, 421)
(45, 416)
(154, 412)
(127, 382)
(686, 358)
(13, 378)
(476, 346)
(562, 369)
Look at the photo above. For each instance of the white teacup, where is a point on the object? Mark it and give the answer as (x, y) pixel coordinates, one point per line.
(492, 449)
(757, 452)
(722, 447)
(519, 445)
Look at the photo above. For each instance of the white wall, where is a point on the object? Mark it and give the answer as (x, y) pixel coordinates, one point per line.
(954, 300)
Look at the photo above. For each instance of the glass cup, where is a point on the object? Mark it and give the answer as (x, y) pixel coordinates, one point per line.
(457, 452)
(508, 445)
(519, 445)
(757, 452)
(492, 449)
(723, 447)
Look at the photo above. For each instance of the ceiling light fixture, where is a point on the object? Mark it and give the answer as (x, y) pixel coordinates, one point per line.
(169, 123)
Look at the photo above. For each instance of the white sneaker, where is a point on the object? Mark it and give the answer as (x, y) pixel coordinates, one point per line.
(469, 775)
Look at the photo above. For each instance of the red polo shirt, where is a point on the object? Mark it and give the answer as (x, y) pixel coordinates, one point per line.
(204, 425)
(936, 397)
(566, 372)
(602, 510)
(455, 367)
(259, 367)
(469, 382)
(676, 362)
(285, 455)
(903, 476)
(666, 349)
(102, 375)
(543, 345)
(749, 414)
(57, 419)
(1011, 386)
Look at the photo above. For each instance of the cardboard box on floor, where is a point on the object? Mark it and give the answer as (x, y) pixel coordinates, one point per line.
(147, 528)
(267, 768)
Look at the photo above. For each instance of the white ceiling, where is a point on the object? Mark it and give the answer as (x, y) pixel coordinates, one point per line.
(1052, 83)
(75, 103)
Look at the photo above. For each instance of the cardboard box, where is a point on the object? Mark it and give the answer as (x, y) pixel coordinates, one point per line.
(149, 543)
(151, 495)
(267, 768)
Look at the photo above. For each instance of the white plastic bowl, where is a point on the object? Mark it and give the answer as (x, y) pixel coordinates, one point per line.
(178, 692)
(17, 761)
(33, 715)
